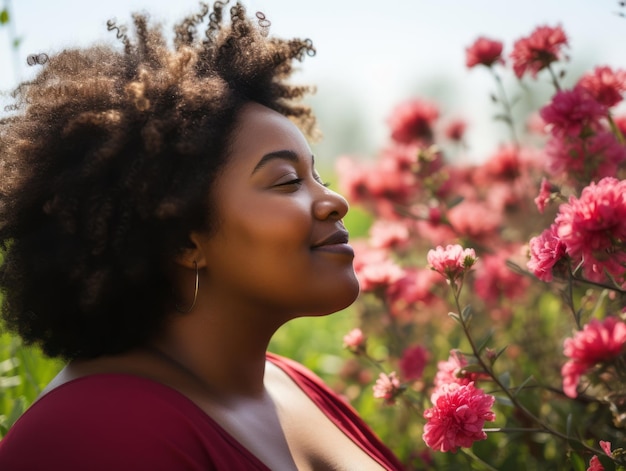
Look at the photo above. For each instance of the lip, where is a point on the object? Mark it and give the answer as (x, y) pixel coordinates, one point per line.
(337, 242)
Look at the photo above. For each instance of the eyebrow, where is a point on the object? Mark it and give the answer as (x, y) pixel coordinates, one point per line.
(288, 155)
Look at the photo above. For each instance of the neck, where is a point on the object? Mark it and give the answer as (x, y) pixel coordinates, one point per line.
(223, 354)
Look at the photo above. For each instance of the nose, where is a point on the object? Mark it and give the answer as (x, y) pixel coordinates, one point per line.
(329, 205)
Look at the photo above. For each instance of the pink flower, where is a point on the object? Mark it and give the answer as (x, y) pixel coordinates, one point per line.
(504, 165)
(374, 268)
(451, 262)
(594, 157)
(474, 219)
(354, 340)
(415, 286)
(391, 180)
(352, 179)
(457, 417)
(387, 387)
(593, 229)
(452, 371)
(484, 51)
(604, 85)
(413, 361)
(413, 121)
(546, 250)
(494, 280)
(595, 465)
(572, 111)
(538, 51)
(388, 234)
(598, 341)
(546, 191)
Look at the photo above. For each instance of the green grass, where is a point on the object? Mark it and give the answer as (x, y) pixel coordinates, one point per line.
(24, 372)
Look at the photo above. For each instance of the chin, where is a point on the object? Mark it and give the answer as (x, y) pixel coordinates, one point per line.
(341, 299)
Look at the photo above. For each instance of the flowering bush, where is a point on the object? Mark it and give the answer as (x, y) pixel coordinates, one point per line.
(526, 252)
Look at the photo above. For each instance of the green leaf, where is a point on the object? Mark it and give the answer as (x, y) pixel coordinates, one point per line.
(503, 117)
(8, 365)
(578, 463)
(500, 352)
(568, 425)
(504, 400)
(10, 381)
(455, 316)
(18, 409)
(474, 368)
(466, 314)
(521, 386)
(483, 343)
(505, 379)
(4, 17)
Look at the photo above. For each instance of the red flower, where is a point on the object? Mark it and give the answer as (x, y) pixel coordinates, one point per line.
(591, 158)
(593, 229)
(595, 465)
(457, 417)
(538, 50)
(413, 361)
(546, 250)
(455, 130)
(605, 85)
(485, 52)
(599, 341)
(413, 121)
(572, 111)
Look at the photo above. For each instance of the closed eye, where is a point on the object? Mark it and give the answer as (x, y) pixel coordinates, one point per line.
(295, 181)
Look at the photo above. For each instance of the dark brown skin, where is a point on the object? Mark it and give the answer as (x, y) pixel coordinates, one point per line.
(278, 254)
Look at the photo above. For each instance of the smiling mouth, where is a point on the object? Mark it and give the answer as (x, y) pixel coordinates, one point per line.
(335, 243)
(342, 249)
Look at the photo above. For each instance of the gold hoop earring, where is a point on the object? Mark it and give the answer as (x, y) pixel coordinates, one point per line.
(195, 293)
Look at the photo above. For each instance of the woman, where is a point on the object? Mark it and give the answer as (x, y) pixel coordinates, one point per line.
(160, 218)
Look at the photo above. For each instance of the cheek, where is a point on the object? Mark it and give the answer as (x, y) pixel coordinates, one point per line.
(271, 227)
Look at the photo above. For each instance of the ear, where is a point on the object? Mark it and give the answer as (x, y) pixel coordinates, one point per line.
(194, 254)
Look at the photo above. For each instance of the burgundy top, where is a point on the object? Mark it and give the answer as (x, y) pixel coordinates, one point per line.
(105, 422)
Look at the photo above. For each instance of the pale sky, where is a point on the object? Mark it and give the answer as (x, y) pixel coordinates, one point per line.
(371, 54)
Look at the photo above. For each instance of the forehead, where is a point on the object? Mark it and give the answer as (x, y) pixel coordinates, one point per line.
(261, 130)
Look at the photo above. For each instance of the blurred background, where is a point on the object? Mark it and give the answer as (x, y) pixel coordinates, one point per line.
(371, 54)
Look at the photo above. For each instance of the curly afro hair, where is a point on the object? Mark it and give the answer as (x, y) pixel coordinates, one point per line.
(106, 164)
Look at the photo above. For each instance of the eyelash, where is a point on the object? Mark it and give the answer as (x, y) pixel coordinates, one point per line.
(298, 181)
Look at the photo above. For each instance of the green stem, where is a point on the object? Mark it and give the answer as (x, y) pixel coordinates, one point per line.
(508, 108)
(616, 131)
(506, 390)
(473, 457)
(555, 80)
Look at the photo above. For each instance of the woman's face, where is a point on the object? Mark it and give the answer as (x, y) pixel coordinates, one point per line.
(280, 242)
